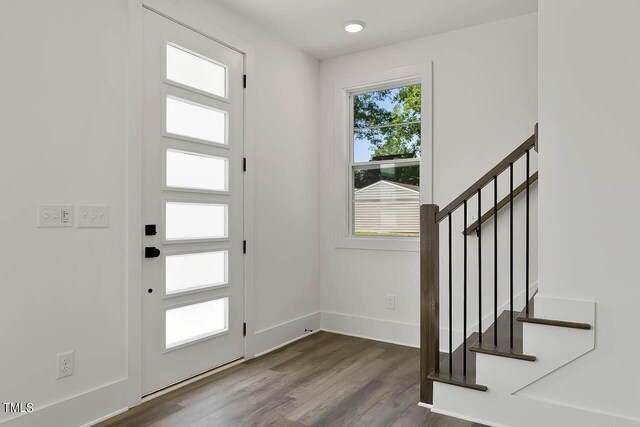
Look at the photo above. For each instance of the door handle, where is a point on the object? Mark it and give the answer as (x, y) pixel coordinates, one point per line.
(151, 252)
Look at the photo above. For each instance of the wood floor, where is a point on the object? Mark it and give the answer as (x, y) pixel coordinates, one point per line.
(322, 380)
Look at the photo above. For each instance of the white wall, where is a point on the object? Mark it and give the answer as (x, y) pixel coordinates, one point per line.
(65, 132)
(64, 141)
(485, 100)
(589, 89)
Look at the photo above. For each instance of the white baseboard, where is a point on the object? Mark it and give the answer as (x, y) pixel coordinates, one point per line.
(370, 328)
(271, 338)
(78, 410)
(288, 342)
(465, 417)
(401, 332)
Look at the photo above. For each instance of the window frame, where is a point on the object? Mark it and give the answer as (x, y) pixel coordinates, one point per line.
(344, 91)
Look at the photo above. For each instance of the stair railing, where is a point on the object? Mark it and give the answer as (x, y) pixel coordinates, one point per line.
(430, 218)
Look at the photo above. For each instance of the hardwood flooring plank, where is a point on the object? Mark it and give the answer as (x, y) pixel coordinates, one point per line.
(143, 418)
(349, 410)
(388, 409)
(283, 422)
(324, 403)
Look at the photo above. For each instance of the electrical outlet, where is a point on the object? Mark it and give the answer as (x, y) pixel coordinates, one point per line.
(65, 364)
(390, 302)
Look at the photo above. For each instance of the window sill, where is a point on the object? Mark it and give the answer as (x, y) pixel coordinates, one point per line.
(405, 244)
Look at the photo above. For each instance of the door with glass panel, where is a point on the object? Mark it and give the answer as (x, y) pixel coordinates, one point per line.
(192, 203)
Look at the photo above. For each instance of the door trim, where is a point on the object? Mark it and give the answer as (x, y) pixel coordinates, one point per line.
(134, 257)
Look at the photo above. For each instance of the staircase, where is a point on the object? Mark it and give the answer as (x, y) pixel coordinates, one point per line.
(486, 376)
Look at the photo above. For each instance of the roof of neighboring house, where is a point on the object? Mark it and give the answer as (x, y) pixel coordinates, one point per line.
(407, 186)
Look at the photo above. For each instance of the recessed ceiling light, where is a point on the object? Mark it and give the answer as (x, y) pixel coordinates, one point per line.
(353, 26)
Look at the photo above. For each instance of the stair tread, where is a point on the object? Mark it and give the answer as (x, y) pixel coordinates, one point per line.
(456, 377)
(504, 348)
(531, 318)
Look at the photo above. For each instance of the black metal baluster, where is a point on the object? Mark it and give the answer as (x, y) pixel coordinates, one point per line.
(495, 260)
(480, 264)
(511, 255)
(464, 325)
(527, 242)
(450, 299)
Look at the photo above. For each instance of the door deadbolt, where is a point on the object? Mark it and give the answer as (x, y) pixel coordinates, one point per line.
(151, 252)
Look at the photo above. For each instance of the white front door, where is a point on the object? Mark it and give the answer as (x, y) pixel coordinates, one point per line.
(193, 194)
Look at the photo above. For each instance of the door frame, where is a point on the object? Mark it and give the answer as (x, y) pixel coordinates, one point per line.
(134, 248)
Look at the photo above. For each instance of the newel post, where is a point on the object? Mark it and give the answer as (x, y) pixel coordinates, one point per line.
(429, 299)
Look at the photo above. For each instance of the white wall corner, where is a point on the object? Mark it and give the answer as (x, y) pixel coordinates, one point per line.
(277, 336)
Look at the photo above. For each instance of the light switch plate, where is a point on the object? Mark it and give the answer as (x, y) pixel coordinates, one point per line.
(93, 216)
(55, 216)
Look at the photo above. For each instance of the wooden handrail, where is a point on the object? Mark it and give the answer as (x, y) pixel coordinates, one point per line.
(502, 203)
(488, 177)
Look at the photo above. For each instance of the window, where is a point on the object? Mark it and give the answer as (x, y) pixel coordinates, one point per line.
(189, 119)
(196, 171)
(195, 71)
(193, 322)
(385, 161)
(192, 221)
(195, 271)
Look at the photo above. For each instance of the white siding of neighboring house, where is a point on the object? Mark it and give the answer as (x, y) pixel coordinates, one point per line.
(385, 207)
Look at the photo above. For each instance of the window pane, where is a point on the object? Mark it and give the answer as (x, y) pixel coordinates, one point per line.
(186, 221)
(196, 171)
(398, 105)
(194, 70)
(193, 120)
(393, 142)
(193, 322)
(386, 200)
(386, 124)
(186, 272)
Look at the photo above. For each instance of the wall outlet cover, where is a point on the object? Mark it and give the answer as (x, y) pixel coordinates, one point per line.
(390, 302)
(65, 364)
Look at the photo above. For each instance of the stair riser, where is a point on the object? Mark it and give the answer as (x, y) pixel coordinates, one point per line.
(552, 346)
(565, 309)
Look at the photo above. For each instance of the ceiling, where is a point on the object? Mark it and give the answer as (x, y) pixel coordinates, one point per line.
(317, 26)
